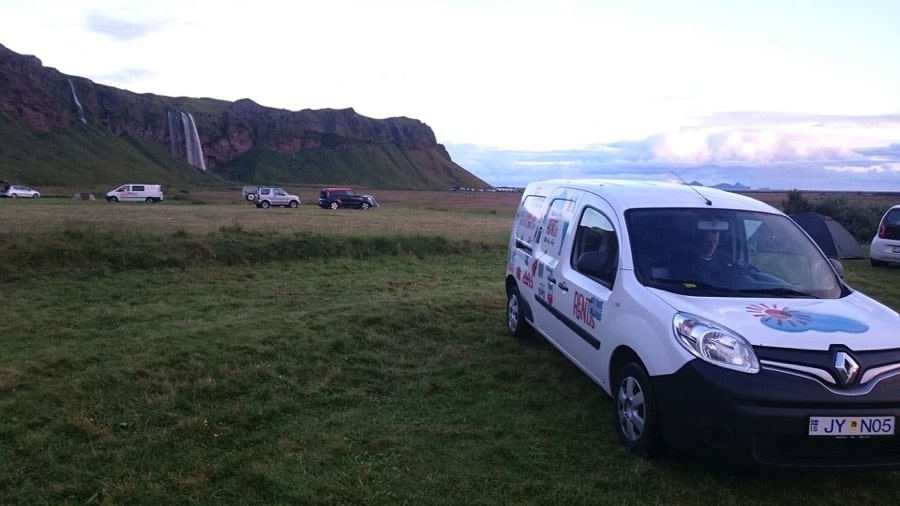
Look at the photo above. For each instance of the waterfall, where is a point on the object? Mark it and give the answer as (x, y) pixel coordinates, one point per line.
(185, 135)
(192, 142)
(78, 109)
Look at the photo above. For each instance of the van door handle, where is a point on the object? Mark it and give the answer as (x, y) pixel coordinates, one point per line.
(562, 285)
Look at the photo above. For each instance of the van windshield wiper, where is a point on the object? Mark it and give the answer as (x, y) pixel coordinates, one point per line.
(779, 291)
(694, 284)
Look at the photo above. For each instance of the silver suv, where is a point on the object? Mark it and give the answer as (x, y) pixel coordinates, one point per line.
(268, 197)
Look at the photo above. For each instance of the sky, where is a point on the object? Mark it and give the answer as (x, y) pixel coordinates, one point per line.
(771, 94)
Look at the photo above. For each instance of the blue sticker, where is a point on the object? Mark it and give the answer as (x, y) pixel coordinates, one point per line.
(795, 320)
(596, 308)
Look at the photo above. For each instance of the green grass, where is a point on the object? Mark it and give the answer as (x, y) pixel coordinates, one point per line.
(386, 166)
(89, 158)
(376, 374)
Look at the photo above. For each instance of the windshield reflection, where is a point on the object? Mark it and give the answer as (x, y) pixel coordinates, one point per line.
(714, 252)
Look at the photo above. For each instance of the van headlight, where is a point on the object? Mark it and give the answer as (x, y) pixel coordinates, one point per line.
(715, 343)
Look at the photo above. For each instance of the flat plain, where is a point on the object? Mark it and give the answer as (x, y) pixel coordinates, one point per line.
(377, 379)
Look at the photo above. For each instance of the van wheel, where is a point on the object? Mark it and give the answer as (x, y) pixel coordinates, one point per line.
(334, 205)
(149, 200)
(264, 204)
(112, 199)
(516, 324)
(636, 417)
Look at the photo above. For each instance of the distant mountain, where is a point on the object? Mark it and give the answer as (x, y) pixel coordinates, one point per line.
(723, 186)
(60, 130)
(731, 187)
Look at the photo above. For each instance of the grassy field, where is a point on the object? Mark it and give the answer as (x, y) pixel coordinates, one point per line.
(456, 215)
(375, 374)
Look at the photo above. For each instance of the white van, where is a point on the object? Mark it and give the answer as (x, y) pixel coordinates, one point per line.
(712, 320)
(136, 193)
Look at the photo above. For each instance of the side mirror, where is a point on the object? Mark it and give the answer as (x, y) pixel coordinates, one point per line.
(838, 267)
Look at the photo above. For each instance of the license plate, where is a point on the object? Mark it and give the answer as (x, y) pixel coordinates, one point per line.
(851, 426)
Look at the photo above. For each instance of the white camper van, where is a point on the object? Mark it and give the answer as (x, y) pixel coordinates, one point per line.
(136, 193)
(712, 320)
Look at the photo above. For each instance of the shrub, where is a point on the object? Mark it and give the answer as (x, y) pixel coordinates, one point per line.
(100, 251)
(796, 203)
(861, 220)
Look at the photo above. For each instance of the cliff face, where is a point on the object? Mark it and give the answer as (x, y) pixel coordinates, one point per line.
(43, 99)
(245, 124)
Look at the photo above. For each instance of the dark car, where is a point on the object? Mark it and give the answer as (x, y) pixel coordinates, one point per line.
(334, 198)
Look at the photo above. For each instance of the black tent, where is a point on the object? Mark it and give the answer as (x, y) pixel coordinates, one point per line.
(830, 235)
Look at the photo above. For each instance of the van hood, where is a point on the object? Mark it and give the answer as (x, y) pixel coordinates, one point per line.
(856, 321)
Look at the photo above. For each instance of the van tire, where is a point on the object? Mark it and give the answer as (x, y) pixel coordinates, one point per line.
(112, 199)
(334, 205)
(516, 324)
(149, 200)
(635, 413)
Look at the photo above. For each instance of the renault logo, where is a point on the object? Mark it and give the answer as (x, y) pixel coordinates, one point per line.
(846, 367)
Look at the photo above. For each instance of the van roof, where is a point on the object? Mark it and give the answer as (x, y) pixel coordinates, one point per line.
(627, 194)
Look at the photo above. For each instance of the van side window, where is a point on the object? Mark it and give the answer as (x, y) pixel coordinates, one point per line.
(595, 252)
(137, 188)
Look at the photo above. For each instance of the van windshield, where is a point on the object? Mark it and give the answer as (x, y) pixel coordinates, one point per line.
(733, 253)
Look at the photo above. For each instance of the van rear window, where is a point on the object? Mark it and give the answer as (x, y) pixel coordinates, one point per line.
(527, 220)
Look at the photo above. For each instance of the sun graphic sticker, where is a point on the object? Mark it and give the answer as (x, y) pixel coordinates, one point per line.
(796, 320)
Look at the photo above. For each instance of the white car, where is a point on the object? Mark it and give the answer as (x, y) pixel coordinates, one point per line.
(885, 247)
(713, 321)
(21, 191)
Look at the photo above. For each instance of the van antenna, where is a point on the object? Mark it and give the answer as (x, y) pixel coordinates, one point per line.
(708, 202)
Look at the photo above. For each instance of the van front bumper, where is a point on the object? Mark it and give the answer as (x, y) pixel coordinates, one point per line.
(764, 418)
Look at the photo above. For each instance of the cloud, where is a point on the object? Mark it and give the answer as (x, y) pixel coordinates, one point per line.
(697, 146)
(121, 29)
(864, 169)
(760, 150)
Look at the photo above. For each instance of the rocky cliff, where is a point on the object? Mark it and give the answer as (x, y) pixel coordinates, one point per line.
(43, 99)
